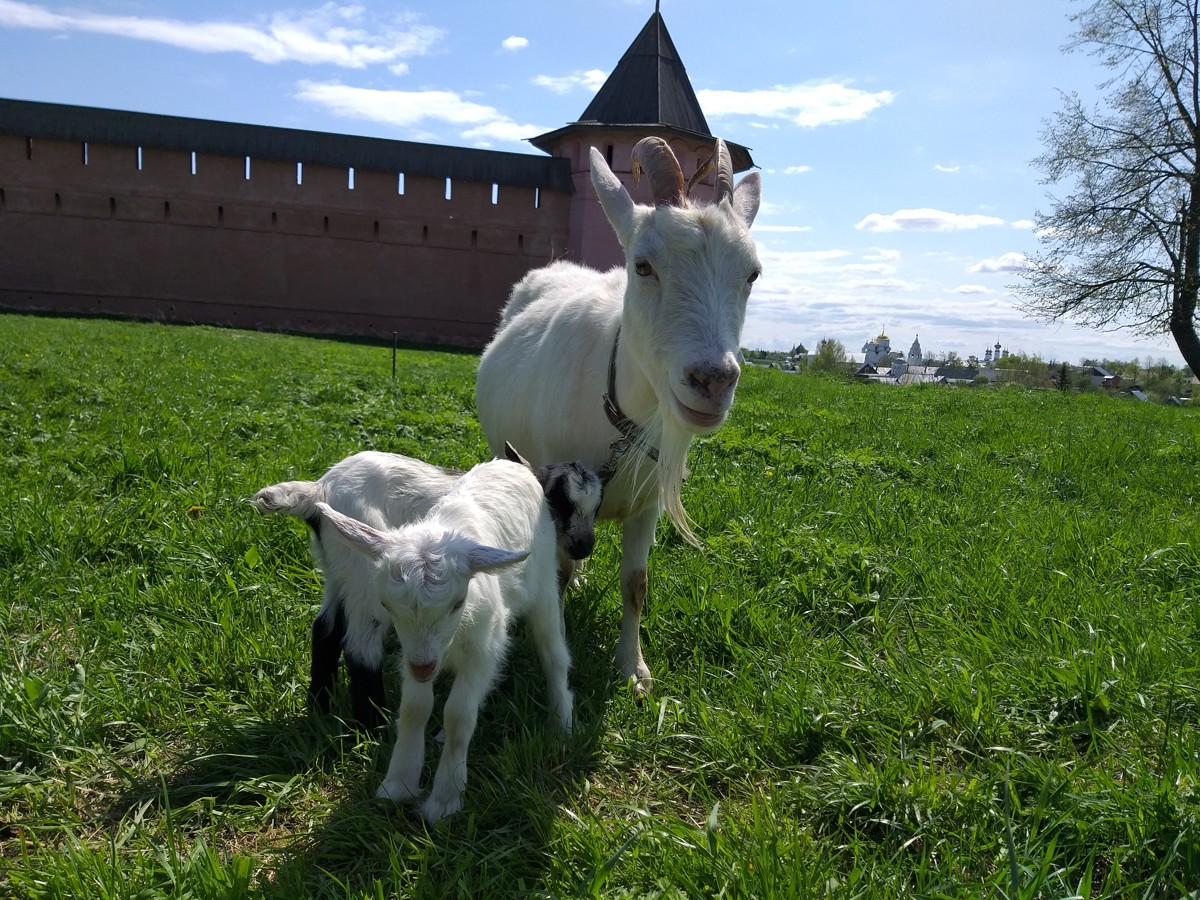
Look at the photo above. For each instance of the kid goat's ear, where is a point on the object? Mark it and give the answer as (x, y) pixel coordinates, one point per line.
(481, 558)
(362, 537)
(513, 456)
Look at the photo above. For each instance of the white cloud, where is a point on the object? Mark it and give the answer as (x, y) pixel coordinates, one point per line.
(590, 80)
(781, 229)
(331, 34)
(925, 220)
(948, 169)
(880, 254)
(1024, 224)
(809, 105)
(799, 265)
(514, 42)
(881, 285)
(1008, 262)
(797, 170)
(412, 109)
(969, 289)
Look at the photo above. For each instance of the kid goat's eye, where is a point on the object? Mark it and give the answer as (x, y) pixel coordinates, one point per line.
(753, 277)
(643, 268)
(457, 606)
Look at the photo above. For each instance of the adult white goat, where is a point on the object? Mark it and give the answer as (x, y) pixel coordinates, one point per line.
(621, 369)
(453, 582)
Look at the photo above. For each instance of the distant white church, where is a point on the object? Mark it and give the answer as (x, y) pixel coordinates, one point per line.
(879, 352)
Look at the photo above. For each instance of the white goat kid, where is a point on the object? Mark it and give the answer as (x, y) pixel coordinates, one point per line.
(452, 585)
(659, 339)
(385, 490)
(381, 490)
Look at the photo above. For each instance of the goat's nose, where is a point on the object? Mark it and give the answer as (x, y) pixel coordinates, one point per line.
(581, 547)
(422, 671)
(713, 382)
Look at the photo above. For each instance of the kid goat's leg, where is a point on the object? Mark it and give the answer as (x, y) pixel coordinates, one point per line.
(403, 779)
(636, 537)
(328, 630)
(458, 719)
(366, 681)
(546, 623)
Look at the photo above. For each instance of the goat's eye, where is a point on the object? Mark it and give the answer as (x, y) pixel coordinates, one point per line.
(457, 606)
(753, 276)
(643, 268)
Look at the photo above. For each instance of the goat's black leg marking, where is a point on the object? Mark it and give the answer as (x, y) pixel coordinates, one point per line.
(328, 630)
(366, 692)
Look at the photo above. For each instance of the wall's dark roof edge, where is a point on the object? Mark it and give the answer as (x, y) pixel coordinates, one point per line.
(84, 123)
(739, 154)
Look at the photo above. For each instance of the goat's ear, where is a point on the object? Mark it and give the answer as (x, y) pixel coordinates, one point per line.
(617, 203)
(362, 537)
(481, 558)
(747, 196)
(510, 453)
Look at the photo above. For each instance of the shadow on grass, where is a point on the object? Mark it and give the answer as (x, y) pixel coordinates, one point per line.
(522, 769)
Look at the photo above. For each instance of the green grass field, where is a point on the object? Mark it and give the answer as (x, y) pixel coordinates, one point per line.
(940, 643)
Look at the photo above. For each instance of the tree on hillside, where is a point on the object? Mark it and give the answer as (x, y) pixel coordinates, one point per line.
(1122, 249)
(830, 356)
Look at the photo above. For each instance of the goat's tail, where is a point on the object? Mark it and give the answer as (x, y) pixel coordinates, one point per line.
(296, 498)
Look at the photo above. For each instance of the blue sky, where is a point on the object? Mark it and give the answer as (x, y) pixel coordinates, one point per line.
(894, 139)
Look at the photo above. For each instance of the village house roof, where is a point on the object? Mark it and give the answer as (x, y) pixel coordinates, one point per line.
(957, 373)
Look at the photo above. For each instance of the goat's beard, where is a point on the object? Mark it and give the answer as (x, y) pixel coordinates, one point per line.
(672, 469)
(664, 434)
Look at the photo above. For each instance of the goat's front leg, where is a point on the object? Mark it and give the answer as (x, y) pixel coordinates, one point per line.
(549, 635)
(458, 721)
(403, 779)
(637, 536)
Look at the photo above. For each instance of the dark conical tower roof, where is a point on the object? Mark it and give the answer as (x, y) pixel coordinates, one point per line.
(649, 86)
(647, 93)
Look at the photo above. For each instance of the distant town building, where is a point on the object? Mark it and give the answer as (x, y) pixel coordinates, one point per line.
(875, 351)
(915, 356)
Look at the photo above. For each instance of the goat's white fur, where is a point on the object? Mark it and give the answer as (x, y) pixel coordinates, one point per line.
(381, 490)
(451, 581)
(679, 304)
(386, 490)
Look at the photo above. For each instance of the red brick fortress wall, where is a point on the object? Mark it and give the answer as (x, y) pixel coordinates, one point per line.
(99, 226)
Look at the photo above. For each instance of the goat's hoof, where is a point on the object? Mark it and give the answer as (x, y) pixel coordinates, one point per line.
(397, 793)
(563, 721)
(640, 686)
(437, 808)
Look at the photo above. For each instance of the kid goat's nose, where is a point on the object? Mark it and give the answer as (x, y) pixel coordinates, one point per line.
(422, 671)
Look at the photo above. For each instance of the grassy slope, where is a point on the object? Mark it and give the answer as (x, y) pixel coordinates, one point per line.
(940, 642)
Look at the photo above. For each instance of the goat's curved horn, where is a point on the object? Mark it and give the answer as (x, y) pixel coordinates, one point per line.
(654, 156)
(701, 173)
(724, 173)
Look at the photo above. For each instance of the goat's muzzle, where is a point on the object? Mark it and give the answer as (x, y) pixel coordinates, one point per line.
(581, 547)
(423, 671)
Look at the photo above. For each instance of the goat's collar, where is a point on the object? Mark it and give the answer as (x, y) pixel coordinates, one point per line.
(632, 434)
